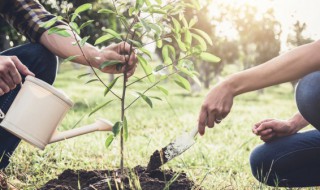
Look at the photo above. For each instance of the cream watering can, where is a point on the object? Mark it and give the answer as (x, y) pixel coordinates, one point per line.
(38, 110)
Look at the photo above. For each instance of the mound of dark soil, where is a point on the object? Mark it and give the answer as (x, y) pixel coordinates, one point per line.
(109, 179)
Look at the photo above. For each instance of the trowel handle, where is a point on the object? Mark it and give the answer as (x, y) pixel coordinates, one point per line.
(194, 132)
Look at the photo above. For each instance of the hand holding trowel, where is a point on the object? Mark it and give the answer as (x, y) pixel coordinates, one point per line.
(172, 150)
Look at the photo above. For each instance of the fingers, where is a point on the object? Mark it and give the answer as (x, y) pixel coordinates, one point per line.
(20, 67)
(268, 138)
(4, 88)
(9, 74)
(210, 120)
(123, 48)
(202, 120)
(261, 125)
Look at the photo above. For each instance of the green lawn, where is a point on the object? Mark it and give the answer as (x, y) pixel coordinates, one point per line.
(218, 160)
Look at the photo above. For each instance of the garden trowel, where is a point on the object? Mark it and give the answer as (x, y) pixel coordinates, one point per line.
(175, 148)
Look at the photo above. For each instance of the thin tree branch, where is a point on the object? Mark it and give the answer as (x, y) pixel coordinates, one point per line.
(153, 85)
(89, 62)
(158, 70)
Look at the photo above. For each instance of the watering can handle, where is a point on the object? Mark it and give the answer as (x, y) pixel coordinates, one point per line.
(2, 115)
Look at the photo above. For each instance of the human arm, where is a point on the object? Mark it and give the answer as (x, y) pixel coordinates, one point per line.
(28, 17)
(287, 67)
(270, 129)
(88, 54)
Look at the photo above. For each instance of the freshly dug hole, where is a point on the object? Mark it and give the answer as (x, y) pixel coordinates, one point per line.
(107, 179)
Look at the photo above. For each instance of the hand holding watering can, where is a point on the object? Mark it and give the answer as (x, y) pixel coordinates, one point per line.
(37, 111)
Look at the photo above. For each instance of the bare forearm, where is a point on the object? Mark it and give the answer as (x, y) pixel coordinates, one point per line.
(287, 67)
(65, 47)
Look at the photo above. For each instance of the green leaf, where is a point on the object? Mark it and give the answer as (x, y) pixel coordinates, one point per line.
(159, 2)
(135, 43)
(193, 21)
(165, 55)
(148, 3)
(146, 68)
(112, 83)
(125, 128)
(91, 80)
(113, 33)
(187, 38)
(116, 128)
(131, 11)
(74, 26)
(158, 68)
(109, 63)
(51, 22)
(69, 58)
(145, 25)
(201, 41)
(139, 4)
(181, 45)
(145, 51)
(182, 82)
(59, 31)
(83, 41)
(156, 28)
(109, 140)
(146, 99)
(155, 97)
(196, 4)
(81, 9)
(103, 39)
(99, 107)
(196, 80)
(87, 23)
(172, 52)
(176, 24)
(205, 56)
(106, 11)
(185, 23)
(83, 75)
(158, 11)
(163, 90)
(159, 43)
(204, 35)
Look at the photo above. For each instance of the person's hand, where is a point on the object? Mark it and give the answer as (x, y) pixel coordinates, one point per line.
(118, 52)
(215, 107)
(270, 129)
(10, 66)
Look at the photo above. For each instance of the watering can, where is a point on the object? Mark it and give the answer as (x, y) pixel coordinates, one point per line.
(37, 111)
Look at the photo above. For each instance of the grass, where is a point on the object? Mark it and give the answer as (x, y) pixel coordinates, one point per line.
(218, 160)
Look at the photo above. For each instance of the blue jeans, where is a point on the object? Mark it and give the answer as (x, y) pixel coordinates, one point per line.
(43, 64)
(294, 161)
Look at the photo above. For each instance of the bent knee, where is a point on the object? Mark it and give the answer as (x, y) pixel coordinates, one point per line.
(262, 166)
(308, 98)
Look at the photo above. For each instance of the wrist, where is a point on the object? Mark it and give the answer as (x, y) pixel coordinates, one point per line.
(93, 55)
(295, 126)
(233, 85)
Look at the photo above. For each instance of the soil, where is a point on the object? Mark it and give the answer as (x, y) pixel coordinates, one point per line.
(157, 159)
(109, 180)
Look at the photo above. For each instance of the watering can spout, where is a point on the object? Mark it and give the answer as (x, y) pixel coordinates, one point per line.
(99, 125)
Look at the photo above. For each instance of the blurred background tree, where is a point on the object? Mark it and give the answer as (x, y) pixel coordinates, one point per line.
(296, 38)
(255, 39)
